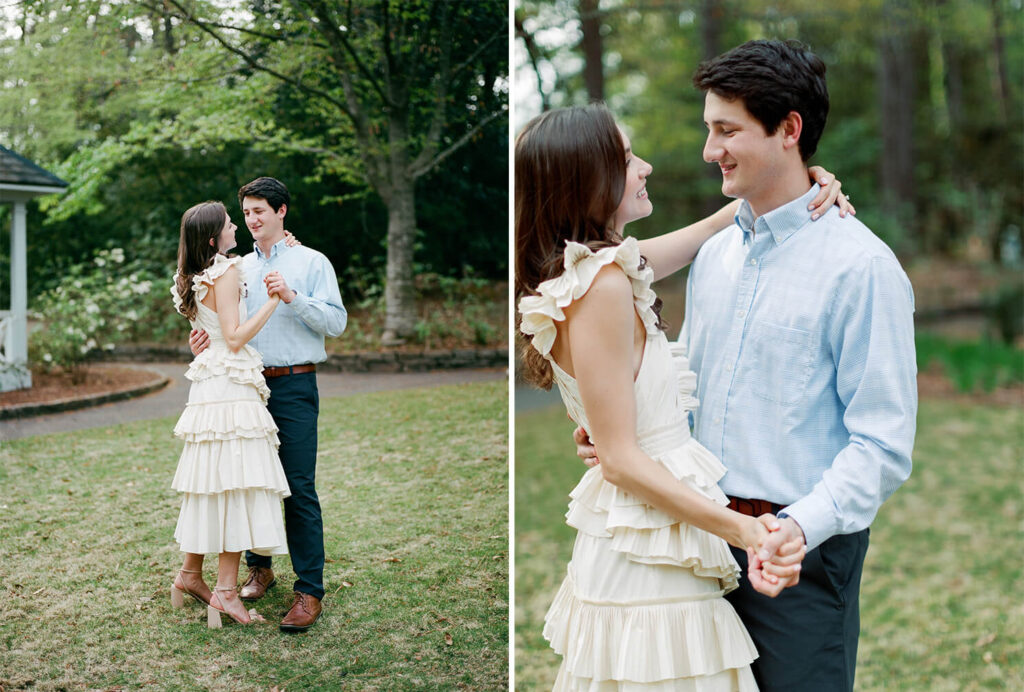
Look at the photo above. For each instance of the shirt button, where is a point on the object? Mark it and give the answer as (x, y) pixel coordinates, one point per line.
(718, 421)
(753, 261)
(741, 314)
(728, 367)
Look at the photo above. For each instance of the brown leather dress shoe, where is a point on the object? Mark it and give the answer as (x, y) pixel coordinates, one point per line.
(304, 612)
(260, 579)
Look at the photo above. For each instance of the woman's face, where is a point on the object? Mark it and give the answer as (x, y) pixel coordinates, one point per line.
(635, 204)
(226, 240)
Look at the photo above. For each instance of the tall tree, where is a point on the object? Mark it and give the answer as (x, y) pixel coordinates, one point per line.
(896, 103)
(593, 50)
(405, 84)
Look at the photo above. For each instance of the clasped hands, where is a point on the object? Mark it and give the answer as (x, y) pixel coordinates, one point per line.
(775, 547)
(199, 340)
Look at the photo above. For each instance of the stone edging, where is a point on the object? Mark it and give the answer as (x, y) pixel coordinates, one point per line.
(73, 403)
(386, 361)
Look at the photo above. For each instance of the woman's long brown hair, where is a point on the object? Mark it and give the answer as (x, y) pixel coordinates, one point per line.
(199, 225)
(570, 175)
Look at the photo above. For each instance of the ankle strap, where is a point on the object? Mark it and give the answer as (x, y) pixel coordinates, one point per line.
(225, 588)
(191, 571)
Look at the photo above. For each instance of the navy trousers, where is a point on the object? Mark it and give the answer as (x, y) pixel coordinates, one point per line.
(806, 637)
(295, 405)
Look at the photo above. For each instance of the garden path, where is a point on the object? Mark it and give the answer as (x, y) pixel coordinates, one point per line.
(171, 399)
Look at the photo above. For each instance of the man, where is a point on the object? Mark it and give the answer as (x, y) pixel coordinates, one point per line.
(291, 343)
(802, 339)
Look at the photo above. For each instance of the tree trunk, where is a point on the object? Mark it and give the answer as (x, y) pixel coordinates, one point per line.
(593, 50)
(400, 290)
(711, 41)
(896, 103)
(1002, 86)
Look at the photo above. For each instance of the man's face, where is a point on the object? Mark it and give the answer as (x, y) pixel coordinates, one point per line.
(750, 159)
(264, 223)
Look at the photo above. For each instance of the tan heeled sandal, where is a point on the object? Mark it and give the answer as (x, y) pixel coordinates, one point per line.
(213, 613)
(178, 593)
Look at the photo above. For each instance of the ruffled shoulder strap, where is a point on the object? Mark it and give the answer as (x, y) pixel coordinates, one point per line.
(202, 281)
(540, 312)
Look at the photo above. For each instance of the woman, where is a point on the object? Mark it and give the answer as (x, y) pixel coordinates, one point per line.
(642, 600)
(229, 471)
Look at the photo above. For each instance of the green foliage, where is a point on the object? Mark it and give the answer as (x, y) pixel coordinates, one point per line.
(967, 108)
(971, 364)
(145, 115)
(1007, 311)
(452, 313)
(97, 305)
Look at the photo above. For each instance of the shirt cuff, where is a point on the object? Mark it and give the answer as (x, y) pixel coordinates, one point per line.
(815, 517)
(299, 303)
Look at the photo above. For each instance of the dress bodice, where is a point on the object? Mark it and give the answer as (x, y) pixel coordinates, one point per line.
(664, 385)
(242, 366)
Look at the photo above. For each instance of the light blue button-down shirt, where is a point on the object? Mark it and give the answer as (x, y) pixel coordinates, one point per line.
(802, 338)
(295, 333)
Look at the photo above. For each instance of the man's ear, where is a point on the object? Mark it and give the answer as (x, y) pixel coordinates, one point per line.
(791, 126)
(282, 210)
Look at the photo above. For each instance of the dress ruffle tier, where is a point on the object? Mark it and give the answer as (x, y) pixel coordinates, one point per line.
(229, 472)
(641, 607)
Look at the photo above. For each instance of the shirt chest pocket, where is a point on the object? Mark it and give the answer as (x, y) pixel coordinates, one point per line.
(780, 362)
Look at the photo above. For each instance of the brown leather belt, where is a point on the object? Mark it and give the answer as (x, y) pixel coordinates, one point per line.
(753, 508)
(281, 370)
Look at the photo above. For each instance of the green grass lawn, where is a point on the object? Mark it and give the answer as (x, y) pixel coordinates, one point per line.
(941, 605)
(414, 491)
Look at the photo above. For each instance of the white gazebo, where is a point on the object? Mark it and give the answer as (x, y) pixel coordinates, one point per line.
(20, 181)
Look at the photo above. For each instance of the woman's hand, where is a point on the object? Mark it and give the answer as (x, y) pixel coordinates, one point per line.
(752, 533)
(828, 195)
(291, 241)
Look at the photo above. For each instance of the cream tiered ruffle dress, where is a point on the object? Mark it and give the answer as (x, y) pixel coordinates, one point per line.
(641, 607)
(229, 473)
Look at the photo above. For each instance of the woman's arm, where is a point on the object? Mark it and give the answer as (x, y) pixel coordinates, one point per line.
(600, 333)
(668, 253)
(225, 291)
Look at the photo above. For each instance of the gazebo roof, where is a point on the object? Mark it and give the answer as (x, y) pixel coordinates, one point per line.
(17, 170)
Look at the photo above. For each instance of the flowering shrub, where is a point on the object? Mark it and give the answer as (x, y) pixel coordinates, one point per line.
(97, 305)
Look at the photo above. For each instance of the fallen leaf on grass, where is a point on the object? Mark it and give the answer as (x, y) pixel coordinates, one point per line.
(346, 584)
(447, 639)
(392, 559)
(985, 639)
(987, 658)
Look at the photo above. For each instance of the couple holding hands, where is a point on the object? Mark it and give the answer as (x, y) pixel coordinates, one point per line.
(797, 343)
(250, 425)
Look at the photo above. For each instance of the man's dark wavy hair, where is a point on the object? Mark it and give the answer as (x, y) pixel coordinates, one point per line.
(270, 189)
(772, 78)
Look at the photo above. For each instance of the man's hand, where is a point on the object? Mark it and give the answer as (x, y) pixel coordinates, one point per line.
(198, 341)
(275, 283)
(585, 448)
(775, 565)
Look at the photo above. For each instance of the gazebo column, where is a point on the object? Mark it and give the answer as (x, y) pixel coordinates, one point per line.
(17, 341)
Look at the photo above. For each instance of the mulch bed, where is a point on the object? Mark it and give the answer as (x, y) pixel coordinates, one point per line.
(100, 379)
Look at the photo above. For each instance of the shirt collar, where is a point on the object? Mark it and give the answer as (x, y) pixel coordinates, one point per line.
(781, 222)
(277, 248)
